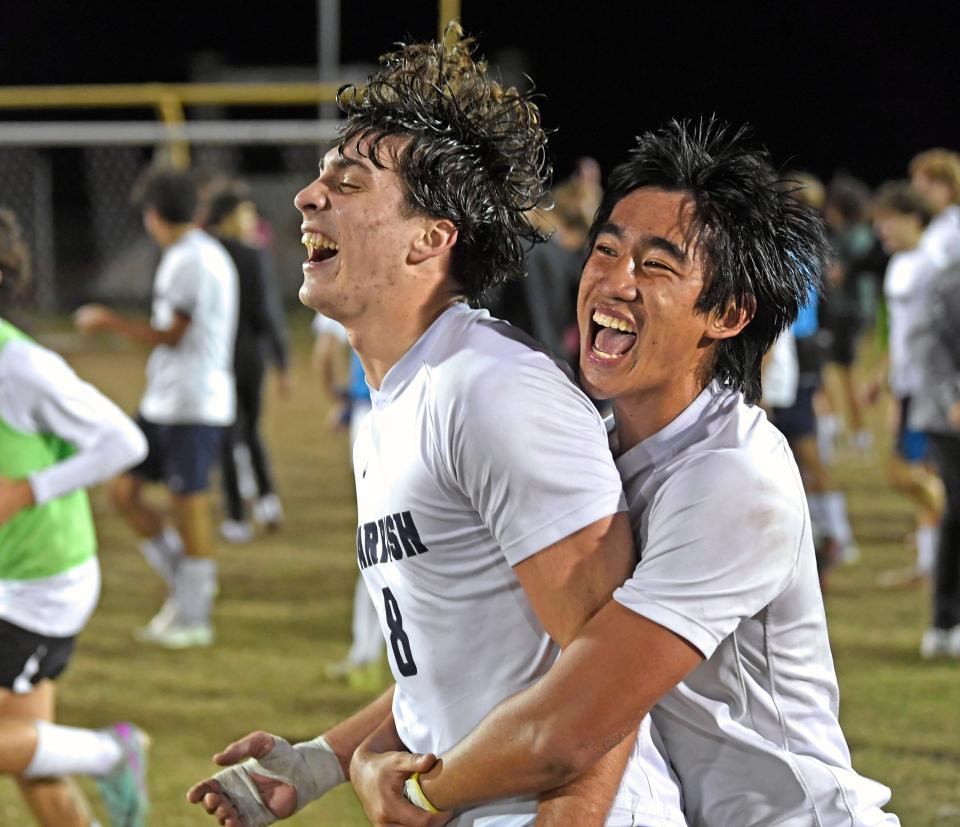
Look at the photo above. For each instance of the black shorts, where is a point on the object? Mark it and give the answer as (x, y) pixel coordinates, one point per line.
(26, 658)
(799, 420)
(843, 350)
(180, 456)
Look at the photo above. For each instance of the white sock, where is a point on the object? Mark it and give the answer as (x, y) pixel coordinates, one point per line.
(827, 427)
(367, 636)
(65, 750)
(818, 514)
(194, 588)
(927, 538)
(835, 512)
(163, 552)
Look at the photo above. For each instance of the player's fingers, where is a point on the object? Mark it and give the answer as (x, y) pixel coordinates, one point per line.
(211, 801)
(423, 763)
(254, 745)
(196, 793)
(226, 815)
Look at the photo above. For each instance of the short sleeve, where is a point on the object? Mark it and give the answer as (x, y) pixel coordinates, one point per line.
(530, 452)
(181, 293)
(723, 539)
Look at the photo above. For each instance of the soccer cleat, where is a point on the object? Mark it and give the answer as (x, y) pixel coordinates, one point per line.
(935, 643)
(903, 578)
(236, 531)
(124, 788)
(158, 624)
(365, 677)
(177, 636)
(268, 511)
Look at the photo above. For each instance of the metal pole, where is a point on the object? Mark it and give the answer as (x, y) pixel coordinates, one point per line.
(449, 10)
(43, 239)
(328, 48)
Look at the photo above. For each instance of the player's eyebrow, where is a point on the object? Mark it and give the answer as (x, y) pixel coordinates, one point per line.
(656, 241)
(340, 163)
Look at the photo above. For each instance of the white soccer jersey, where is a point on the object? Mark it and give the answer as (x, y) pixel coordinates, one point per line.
(941, 238)
(727, 563)
(906, 287)
(192, 383)
(479, 452)
(40, 393)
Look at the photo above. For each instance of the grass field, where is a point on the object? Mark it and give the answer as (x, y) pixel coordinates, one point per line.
(284, 612)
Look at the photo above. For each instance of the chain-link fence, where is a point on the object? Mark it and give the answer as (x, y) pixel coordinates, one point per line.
(73, 198)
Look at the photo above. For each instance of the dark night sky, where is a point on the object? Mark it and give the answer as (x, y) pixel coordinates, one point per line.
(860, 85)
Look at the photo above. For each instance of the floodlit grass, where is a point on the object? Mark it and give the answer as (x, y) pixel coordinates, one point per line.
(284, 612)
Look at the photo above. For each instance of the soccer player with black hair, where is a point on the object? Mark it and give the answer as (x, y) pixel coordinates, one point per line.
(700, 259)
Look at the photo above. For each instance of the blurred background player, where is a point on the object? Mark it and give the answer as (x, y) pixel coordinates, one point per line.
(543, 303)
(935, 175)
(935, 410)
(834, 539)
(342, 377)
(187, 404)
(58, 436)
(231, 217)
(900, 216)
(849, 303)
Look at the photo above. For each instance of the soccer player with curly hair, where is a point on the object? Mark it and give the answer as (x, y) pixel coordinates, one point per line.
(492, 522)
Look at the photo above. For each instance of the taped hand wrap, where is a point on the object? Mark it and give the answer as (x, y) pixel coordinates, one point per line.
(311, 768)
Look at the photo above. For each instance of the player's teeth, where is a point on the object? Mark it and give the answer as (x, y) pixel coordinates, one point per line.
(610, 321)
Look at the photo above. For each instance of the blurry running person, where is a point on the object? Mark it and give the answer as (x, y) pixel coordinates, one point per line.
(58, 436)
(188, 402)
(231, 217)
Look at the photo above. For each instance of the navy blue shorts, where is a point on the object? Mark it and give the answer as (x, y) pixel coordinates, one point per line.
(26, 658)
(798, 420)
(911, 445)
(180, 456)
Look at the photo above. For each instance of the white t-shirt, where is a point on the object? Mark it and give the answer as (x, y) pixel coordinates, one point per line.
(40, 393)
(906, 286)
(781, 372)
(192, 382)
(727, 563)
(941, 238)
(479, 453)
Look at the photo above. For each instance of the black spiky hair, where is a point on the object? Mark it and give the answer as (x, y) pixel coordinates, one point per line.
(758, 244)
(473, 152)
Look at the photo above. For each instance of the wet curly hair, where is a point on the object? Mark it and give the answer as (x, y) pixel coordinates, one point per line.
(473, 152)
(761, 245)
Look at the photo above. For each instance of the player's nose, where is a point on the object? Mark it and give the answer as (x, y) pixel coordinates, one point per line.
(312, 197)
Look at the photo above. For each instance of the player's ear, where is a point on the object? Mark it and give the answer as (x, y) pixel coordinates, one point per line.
(732, 319)
(437, 238)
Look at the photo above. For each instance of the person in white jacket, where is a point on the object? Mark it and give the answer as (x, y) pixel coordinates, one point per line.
(58, 436)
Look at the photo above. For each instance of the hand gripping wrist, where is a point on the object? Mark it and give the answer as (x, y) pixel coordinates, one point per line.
(311, 768)
(413, 792)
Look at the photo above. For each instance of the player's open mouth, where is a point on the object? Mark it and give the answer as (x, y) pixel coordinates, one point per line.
(319, 247)
(611, 337)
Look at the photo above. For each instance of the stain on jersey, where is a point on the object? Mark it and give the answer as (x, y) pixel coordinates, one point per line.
(388, 539)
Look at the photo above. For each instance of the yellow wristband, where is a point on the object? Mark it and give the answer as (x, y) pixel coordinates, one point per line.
(414, 794)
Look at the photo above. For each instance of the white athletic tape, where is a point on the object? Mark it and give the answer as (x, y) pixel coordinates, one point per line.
(311, 768)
